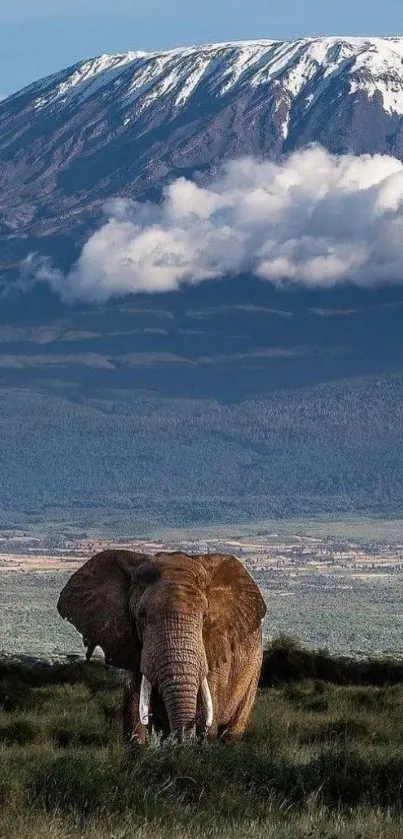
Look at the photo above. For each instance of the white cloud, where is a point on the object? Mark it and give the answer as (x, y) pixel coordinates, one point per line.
(314, 219)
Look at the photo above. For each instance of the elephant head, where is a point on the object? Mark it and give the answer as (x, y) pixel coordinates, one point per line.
(170, 618)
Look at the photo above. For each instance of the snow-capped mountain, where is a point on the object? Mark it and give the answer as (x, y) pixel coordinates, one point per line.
(124, 124)
(222, 401)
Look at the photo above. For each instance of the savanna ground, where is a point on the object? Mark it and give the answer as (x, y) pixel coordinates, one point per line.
(320, 761)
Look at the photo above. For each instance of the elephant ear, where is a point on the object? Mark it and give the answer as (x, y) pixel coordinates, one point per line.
(96, 601)
(235, 606)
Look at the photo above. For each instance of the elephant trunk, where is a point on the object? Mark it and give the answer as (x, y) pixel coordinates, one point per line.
(180, 699)
(178, 666)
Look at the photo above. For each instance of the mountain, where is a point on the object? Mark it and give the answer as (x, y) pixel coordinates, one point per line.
(125, 124)
(229, 402)
(225, 401)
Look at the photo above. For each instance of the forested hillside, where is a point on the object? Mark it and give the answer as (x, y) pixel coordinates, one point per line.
(335, 446)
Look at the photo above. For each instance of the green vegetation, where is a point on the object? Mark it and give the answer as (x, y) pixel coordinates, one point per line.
(320, 761)
(161, 462)
(286, 660)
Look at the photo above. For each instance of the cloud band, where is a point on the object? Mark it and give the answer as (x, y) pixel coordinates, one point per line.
(314, 219)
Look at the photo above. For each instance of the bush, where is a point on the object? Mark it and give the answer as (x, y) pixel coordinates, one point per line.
(286, 660)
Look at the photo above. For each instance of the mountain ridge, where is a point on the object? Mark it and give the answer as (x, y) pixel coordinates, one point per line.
(257, 49)
(125, 124)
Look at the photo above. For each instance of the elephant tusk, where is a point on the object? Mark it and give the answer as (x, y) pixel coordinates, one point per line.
(208, 702)
(145, 695)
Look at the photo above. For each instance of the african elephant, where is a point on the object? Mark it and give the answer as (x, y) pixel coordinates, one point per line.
(188, 628)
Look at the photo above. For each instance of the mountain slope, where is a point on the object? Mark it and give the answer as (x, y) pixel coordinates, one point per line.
(124, 124)
(230, 402)
(141, 460)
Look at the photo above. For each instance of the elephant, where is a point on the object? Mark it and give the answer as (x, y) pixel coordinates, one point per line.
(187, 628)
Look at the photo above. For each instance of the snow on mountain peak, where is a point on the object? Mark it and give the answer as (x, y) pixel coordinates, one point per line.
(372, 64)
(125, 124)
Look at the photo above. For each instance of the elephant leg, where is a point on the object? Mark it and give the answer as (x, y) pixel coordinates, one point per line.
(133, 731)
(235, 729)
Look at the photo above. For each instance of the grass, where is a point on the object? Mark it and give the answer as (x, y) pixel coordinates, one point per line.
(361, 528)
(320, 761)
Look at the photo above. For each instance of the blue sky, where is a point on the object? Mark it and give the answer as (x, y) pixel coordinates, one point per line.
(38, 37)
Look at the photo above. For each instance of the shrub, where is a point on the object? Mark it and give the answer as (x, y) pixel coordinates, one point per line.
(286, 660)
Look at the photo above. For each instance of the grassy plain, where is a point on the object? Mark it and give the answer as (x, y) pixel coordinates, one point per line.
(364, 529)
(334, 583)
(320, 761)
